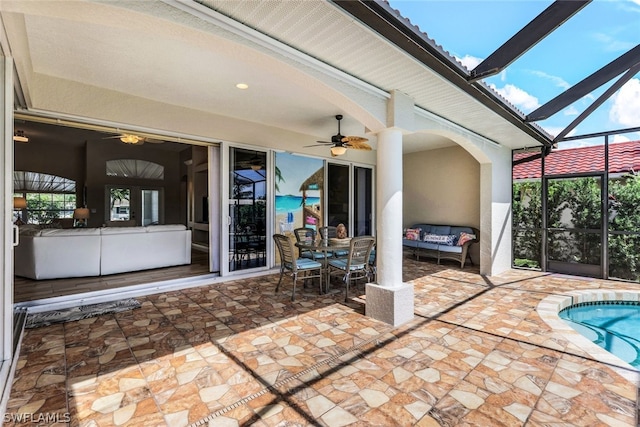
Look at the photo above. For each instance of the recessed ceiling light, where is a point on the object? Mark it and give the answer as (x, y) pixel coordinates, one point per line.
(242, 86)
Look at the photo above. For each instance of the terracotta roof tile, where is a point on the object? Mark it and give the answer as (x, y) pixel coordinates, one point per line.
(623, 157)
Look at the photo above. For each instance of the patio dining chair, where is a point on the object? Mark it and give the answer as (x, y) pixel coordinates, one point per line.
(308, 268)
(329, 232)
(373, 264)
(306, 234)
(356, 265)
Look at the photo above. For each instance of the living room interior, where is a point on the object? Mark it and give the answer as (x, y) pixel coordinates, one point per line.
(81, 156)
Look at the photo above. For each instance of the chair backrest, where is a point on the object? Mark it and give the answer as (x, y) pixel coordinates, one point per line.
(328, 232)
(360, 250)
(304, 233)
(286, 251)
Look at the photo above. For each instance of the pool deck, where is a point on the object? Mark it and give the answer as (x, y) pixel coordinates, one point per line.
(480, 351)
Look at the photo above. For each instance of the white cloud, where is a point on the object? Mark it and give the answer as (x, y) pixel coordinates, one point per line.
(470, 62)
(570, 111)
(626, 105)
(518, 97)
(611, 44)
(578, 143)
(558, 81)
(620, 138)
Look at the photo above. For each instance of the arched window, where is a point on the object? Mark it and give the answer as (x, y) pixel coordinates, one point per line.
(49, 197)
(133, 168)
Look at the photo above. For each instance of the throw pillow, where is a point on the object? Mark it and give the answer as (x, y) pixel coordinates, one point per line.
(465, 237)
(412, 233)
(441, 239)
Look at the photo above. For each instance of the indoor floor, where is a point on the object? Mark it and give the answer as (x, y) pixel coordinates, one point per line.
(28, 290)
(234, 354)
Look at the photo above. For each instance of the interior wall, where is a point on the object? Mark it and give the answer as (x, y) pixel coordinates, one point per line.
(97, 179)
(38, 155)
(85, 164)
(442, 186)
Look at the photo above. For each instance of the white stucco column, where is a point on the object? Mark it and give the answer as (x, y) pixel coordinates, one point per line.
(389, 300)
(495, 213)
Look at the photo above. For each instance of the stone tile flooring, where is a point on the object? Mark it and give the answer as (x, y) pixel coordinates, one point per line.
(234, 354)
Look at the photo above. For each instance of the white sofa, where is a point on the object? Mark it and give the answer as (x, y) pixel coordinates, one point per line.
(80, 252)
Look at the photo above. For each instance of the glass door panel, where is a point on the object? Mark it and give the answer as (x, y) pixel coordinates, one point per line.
(150, 207)
(247, 209)
(337, 190)
(574, 225)
(120, 205)
(363, 201)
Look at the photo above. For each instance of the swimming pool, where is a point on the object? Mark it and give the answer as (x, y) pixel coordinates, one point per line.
(613, 325)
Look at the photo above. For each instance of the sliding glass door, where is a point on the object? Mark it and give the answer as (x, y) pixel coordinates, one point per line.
(350, 201)
(247, 209)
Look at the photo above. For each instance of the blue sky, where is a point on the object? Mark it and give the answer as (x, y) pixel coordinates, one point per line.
(596, 35)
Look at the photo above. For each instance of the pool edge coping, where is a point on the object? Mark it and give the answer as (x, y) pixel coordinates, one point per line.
(549, 309)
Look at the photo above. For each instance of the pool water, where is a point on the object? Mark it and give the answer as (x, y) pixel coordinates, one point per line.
(614, 326)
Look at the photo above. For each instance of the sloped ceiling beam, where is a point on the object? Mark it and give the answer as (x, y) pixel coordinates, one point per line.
(594, 81)
(381, 18)
(598, 102)
(543, 25)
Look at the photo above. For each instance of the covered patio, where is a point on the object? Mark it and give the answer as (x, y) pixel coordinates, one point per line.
(477, 353)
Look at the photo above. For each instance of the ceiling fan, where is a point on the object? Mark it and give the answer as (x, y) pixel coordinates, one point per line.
(132, 139)
(341, 142)
(255, 163)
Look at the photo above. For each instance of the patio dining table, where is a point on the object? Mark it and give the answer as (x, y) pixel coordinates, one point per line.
(326, 246)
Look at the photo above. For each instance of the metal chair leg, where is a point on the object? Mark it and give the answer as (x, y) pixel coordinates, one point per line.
(293, 294)
(280, 281)
(346, 287)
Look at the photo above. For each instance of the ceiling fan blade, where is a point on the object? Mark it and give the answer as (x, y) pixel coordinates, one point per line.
(112, 137)
(358, 145)
(322, 144)
(352, 139)
(154, 141)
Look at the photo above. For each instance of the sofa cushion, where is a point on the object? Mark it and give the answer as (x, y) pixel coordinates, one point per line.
(440, 229)
(450, 249)
(165, 227)
(427, 245)
(424, 228)
(55, 232)
(122, 230)
(458, 230)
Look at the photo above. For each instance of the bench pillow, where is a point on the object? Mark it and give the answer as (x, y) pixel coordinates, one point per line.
(465, 237)
(441, 239)
(412, 234)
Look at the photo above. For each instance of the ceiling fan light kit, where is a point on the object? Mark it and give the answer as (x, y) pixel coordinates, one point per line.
(128, 138)
(18, 136)
(338, 150)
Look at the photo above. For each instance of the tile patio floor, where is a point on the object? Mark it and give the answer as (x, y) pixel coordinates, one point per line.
(234, 354)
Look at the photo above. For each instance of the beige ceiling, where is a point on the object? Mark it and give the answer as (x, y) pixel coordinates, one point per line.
(171, 67)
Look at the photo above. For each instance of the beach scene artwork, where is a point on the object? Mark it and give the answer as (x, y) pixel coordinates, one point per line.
(298, 201)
